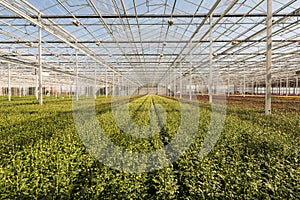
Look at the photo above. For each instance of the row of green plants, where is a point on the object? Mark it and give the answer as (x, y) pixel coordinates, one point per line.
(43, 157)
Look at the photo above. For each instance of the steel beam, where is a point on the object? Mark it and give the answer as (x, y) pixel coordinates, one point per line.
(146, 41)
(112, 16)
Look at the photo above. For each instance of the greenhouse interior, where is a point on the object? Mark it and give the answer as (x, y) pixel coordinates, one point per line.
(149, 99)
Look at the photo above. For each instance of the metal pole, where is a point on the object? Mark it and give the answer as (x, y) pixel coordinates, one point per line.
(190, 89)
(95, 83)
(106, 88)
(76, 72)
(294, 88)
(255, 89)
(20, 88)
(297, 89)
(113, 85)
(122, 88)
(9, 85)
(180, 83)
(70, 90)
(216, 86)
(166, 87)
(244, 84)
(252, 87)
(127, 93)
(272, 88)
(269, 59)
(36, 84)
(169, 90)
(40, 65)
(55, 85)
(174, 82)
(210, 60)
(228, 83)
(287, 86)
(280, 86)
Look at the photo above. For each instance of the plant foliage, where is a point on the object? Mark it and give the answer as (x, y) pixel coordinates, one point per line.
(42, 157)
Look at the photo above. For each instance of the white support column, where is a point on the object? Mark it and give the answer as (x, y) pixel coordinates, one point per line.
(40, 64)
(280, 86)
(180, 83)
(272, 88)
(76, 78)
(252, 87)
(147, 87)
(210, 60)
(216, 86)
(256, 87)
(70, 91)
(55, 82)
(287, 89)
(169, 90)
(122, 88)
(268, 59)
(228, 85)
(113, 84)
(9, 84)
(88, 89)
(294, 89)
(190, 88)
(36, 84)
(95, 83)
(277, 87)
(127, 85)
(20, 88)
(297, 86)
(244, 83)
(106, 88)
(174, 81)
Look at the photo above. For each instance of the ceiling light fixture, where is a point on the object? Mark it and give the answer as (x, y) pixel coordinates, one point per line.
(29, 44)
(32, 24)
(234, 42)
(170, 22)
(76, 22)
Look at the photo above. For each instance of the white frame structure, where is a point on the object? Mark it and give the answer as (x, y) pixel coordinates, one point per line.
(143, 42)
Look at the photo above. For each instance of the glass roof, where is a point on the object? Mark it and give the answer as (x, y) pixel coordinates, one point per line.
(145, 40)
